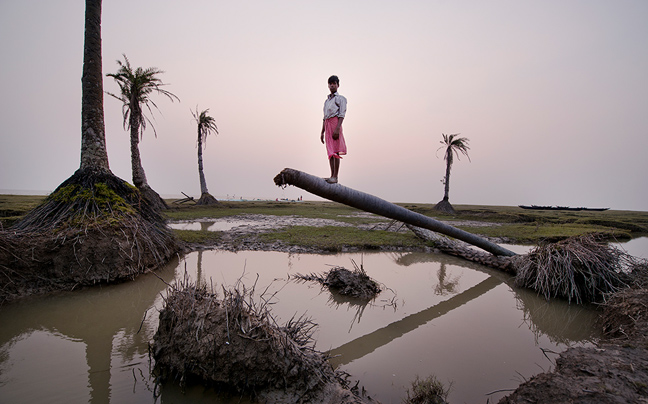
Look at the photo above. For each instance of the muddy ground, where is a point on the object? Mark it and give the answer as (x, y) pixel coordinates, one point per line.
(244, 237)
(616, 371)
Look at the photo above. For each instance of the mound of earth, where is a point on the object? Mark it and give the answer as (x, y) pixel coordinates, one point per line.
(609, 374)
(614, 372)
(234, 344)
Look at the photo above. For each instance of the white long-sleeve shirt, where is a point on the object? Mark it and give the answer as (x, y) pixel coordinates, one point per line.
(335, 105)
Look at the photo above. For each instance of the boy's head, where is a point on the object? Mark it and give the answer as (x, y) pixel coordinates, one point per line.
(333, 84)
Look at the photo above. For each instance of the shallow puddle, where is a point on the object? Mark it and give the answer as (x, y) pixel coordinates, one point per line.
(438, 315)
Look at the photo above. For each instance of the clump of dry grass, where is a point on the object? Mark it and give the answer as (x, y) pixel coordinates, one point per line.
(625, 313)
(234, 343)
(427, 391)
(580, 269)
(354, 283)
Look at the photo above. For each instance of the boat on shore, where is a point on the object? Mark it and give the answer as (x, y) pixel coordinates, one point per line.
(536, 207)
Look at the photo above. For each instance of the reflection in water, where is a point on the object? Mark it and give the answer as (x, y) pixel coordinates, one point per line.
(445, 286)
(93, 317)
(561, 322)
(368, 343)
(105, 326)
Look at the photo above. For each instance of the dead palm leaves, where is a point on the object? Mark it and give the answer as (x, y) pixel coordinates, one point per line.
(580, 269)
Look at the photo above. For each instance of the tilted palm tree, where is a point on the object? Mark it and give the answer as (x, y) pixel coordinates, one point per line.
(370, 203)
(453, 145)
(206, 126)
(136, 86)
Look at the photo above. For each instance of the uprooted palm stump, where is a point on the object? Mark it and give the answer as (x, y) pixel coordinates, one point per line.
(234, 344)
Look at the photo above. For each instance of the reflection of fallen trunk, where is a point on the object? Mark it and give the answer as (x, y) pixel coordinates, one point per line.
(366, 344)
(373, 204)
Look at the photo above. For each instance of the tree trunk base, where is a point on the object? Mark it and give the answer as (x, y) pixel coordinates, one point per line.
(153, 198)
(95, 228)
(445, 207)
(207, 199)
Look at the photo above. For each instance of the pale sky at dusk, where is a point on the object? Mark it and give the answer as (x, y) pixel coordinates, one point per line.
(552, 95)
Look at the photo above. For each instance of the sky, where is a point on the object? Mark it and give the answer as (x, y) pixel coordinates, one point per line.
(552, 96)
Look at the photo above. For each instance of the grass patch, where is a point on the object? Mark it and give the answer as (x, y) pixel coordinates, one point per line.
(198, 236)
(534, 233)
(317, 210)
(333, 238)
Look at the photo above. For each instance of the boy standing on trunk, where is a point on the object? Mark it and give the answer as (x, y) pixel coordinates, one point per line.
(334, 111)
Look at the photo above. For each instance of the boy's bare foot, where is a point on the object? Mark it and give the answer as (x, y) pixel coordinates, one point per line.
(332, 180)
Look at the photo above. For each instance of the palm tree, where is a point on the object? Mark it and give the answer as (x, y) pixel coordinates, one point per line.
(95, 227)
(453, 146)
(136, 86)
(206, 126)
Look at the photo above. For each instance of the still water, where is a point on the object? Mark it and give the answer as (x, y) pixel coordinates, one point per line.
(438, 315)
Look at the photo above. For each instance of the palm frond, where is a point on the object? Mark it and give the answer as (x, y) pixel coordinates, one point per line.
(136, 87)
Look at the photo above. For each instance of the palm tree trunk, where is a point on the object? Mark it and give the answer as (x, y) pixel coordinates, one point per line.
(201, 173)
(370, 203)
(446, 190)
(93, 138)
(139, 177)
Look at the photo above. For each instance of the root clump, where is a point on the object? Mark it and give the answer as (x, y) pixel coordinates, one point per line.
(625, 313)
(580, 269)
(427, 391)
(354, 283)
(234, 344)
(94, 228)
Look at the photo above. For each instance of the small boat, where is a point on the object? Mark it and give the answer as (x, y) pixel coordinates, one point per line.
(536, 207)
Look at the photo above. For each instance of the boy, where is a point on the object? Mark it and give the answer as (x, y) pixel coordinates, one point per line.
(334, 111)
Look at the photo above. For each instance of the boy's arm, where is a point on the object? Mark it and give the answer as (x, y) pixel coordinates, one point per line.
(322, 133)
(336, 131)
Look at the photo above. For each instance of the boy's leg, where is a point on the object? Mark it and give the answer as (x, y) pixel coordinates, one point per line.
(334, 162)
(336, 167)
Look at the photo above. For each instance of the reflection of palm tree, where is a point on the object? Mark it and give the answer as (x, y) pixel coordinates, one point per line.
(136, 85)
(368, 343)
(100, 315)
(199, 273)
(444, 286)
(453, 146)
(206, 126)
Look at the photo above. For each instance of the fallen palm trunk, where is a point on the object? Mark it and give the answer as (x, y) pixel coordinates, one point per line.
(581, 268)
(460, 249)
(373, 204)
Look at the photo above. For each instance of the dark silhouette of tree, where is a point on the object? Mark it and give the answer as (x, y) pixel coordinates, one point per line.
(136, 86)
(206, 126)
(453, 145)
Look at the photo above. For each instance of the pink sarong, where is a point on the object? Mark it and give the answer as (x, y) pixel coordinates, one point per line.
(334, 148)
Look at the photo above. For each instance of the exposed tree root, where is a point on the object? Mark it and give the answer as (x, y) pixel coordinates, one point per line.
(153, 198)
(95, 228)
(445, 206)
(580, 268)
(235, 344)
(207, 199)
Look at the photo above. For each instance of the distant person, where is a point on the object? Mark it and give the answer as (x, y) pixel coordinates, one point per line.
(334, 111)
